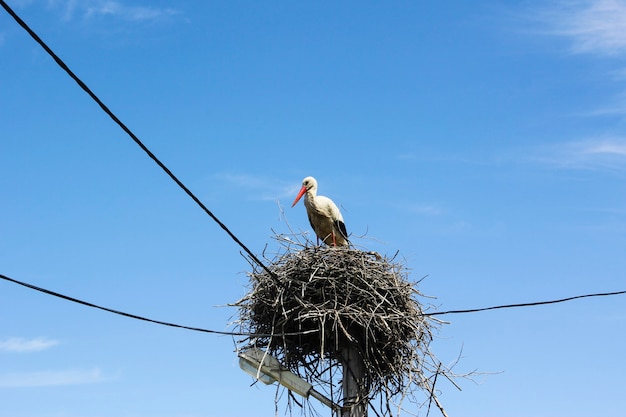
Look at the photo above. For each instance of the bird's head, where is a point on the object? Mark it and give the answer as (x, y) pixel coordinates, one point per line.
(309, 183)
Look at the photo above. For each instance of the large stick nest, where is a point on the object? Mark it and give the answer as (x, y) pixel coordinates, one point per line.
(319, 300)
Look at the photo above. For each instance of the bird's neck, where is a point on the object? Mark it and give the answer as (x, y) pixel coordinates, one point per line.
(309, 198)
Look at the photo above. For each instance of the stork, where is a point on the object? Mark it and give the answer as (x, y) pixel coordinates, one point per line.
(324, 216)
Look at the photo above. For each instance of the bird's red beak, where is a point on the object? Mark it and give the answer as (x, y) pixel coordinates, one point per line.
(299, 196)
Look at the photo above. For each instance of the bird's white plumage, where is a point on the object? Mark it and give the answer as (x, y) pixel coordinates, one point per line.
(324, 215)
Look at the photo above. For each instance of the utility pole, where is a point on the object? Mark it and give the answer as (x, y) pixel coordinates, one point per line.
(354, 390)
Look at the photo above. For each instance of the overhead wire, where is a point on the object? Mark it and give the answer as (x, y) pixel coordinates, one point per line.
(536, 303)
(198, 329)
(134, 137)
(141, 318)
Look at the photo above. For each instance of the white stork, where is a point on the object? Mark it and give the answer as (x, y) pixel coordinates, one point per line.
(324, 216)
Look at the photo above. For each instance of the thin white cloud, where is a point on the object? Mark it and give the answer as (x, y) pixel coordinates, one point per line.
(592, 26)
(596, 28)
(21, 3)
(89, 9)
(51, 378)
(67, 7)
(131, 13)
(616, 148)
(263, 188)
(16, 344)
(603, 154)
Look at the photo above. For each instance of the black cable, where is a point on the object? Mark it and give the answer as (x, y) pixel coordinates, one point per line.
(537, 303)
(136, 317)
(197, 329)
(83, 86)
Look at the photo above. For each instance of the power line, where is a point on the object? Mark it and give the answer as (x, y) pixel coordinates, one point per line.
(136, 317)
(537, 303)
(125, 128)
(198, 329)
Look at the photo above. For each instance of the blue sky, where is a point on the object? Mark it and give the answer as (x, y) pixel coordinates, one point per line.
(485, 141)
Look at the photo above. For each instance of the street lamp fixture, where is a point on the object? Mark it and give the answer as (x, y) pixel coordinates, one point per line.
(265, 368)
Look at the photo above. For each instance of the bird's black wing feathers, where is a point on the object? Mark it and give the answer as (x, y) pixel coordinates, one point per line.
(341, 226)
